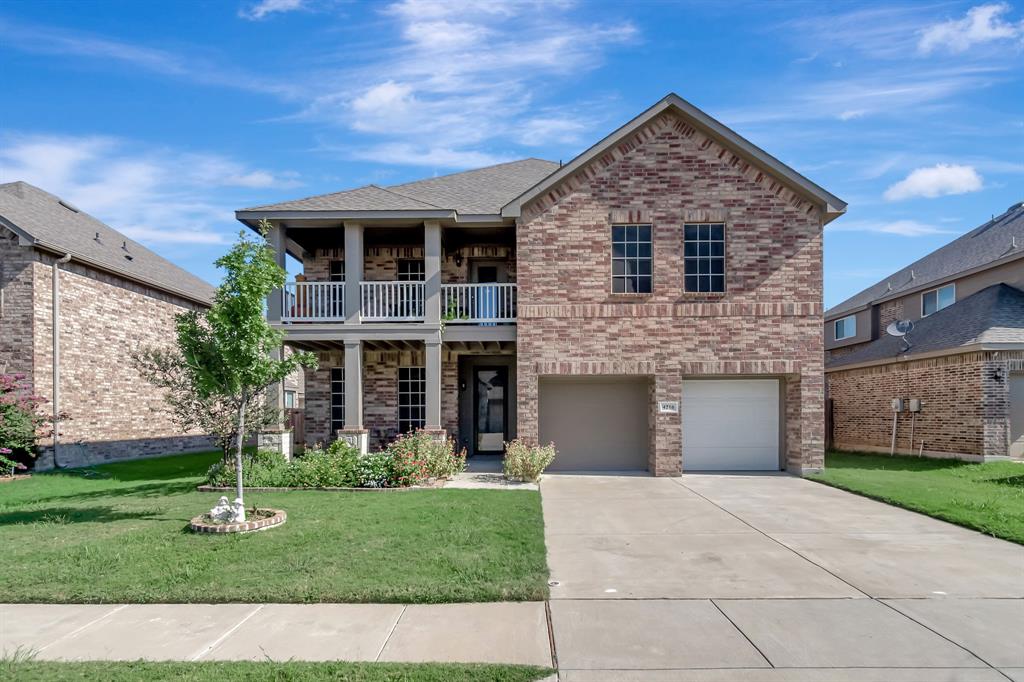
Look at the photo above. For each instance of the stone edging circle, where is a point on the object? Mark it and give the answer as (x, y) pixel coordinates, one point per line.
(198, 525)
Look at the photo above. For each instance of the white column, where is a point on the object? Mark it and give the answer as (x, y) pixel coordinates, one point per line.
(432, 271)
(353, 385)
(277, 240)
(433, 368)
(353, 272)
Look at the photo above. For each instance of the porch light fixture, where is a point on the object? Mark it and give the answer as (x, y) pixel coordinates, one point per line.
(458, 259)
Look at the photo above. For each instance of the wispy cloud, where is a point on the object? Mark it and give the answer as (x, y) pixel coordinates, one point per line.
(155, 195)
(264, 8)
(981, 24)
(902, 228)
(938, 180)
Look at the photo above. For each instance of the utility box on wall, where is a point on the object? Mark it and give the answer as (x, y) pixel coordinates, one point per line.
(897, 404)
(915, 405)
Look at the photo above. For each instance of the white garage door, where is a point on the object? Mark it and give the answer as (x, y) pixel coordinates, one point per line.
(731, 425)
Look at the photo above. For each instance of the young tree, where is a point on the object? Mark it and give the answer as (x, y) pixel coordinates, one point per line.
(226, 352)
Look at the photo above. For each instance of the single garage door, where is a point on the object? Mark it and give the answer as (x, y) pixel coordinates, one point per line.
(1016, 415)
(731, 425)
(596, 423)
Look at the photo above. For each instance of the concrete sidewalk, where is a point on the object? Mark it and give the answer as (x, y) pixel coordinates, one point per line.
(466, 633)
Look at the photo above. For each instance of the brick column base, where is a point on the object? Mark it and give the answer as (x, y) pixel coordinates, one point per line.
(357, 438)
(278, 441)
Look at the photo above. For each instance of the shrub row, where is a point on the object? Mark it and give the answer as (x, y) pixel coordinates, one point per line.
(411, 459)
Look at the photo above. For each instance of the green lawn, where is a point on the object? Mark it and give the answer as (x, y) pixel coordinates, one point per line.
(118, 533)
(245, 671)
(985, 497)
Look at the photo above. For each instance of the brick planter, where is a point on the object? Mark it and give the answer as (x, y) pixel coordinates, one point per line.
(199, 525)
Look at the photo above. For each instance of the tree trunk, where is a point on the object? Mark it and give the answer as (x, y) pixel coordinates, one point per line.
(238, 451)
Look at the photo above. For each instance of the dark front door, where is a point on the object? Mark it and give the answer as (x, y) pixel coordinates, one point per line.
(490, 410)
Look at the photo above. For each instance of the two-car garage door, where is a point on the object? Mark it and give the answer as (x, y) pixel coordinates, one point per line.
(602, 423)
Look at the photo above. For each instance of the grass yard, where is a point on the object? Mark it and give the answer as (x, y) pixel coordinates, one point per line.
(118, 533)
(985, 497)
(245, 671)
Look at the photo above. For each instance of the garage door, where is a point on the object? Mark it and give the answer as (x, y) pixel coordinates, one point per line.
(596, 423)
(1016, 415)
(731, 425)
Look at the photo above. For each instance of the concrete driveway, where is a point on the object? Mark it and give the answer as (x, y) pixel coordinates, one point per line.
(771, 577)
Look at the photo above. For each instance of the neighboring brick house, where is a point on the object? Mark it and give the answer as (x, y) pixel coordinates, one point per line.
(653, 304)
(960, 370)
(113, 296)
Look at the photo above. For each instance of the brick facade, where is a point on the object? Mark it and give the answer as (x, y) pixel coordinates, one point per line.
(768, 323)
(113, 413)
(971, 422)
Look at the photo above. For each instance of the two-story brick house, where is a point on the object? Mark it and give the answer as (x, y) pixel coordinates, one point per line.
(959, 373)
(653, 304)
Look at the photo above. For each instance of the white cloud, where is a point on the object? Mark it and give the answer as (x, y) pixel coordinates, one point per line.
(261, 9)
(981, 24)
(152, 195)
(936, 181)
(902, 228)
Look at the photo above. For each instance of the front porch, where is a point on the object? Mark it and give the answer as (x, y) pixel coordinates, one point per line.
(370, 391)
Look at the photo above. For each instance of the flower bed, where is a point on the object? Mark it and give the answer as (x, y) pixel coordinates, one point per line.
(414, 459)
(259, 519)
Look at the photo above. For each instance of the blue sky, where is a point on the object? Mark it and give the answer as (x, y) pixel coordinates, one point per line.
(162, 118)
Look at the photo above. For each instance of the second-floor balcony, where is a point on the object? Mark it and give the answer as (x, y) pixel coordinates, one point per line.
(473, 303)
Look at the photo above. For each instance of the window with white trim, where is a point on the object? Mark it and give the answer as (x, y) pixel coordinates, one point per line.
(632, 261)
(704, 257)
(337, 271)
(337, 398)
(937, 299)
(412, 398)
(846, 328)
(289, 400)
(411, 271)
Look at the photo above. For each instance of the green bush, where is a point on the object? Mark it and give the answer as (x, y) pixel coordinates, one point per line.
(375, 470)
(527, 462)
(420, 455)
(260, 469)
(335, 467)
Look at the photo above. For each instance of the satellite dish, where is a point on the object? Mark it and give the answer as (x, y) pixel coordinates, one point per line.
(899, 328)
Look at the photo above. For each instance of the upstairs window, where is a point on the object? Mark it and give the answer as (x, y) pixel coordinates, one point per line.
(337, 272)
(632, 264)
(937, 299)
(704, 257)
(411, 271)
(846, 328)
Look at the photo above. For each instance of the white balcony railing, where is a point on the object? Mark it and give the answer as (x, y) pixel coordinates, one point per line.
(313, 302)
(483, 304)
(391, 301)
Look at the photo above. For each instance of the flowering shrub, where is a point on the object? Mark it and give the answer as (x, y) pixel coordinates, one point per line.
(436, 457)
(335, 467)
(374, 470)
(20, 423)
(527, 462)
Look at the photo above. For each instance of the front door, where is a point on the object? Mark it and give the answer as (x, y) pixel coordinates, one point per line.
(489, 271)
(490, 410)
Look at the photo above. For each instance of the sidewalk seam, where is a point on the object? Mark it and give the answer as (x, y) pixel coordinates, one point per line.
(230, 631)
(391, 632)
(740, 630)
(78, 630)
(551, 634)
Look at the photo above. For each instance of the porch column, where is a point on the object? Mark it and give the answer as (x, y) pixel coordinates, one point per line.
(277, 436)
(433, 367)
(354, 433)
(432, 273)
(353, 275)
(276, 239)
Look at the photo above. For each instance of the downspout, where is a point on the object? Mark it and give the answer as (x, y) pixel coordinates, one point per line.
(56, 353)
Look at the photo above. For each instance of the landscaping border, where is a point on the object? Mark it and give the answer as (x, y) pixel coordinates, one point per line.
(329, 489)
(198, 525)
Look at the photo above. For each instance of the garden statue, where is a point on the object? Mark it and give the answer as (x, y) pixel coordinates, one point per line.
(228, 512)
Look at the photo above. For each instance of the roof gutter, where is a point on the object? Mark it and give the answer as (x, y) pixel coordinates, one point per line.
(956, 350)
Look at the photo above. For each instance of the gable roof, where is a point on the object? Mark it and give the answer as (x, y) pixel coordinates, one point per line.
(482, 191)
(50, 223)
(987, 244)
(994, 315)
(833, 206)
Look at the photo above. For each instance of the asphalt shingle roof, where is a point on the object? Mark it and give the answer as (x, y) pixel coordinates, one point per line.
(984, 244)
(993, 315)
(60, 226)
(480, 191)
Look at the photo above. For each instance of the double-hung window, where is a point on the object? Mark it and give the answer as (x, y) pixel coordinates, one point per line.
(937, 299)
(704, 257)
(412, 398)
(632, 262)
(337, 398)
(846, 328)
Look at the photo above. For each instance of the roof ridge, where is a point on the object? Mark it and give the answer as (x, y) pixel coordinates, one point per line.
(471, 170)
(312, 196)
(405, 196)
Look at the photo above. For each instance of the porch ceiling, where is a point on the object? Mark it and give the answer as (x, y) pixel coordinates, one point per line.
(481, 346)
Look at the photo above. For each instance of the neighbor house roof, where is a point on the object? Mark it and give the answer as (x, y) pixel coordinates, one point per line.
(990, 317)
(475, 192)
(997, 240)
(50, 223)
(833, 206)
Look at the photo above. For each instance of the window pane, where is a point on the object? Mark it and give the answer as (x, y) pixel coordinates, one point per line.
(704, 284)
(644, 233)
(644, 284)
(691, 233)
(618, 250)
(643, 250)
(928, 303)
(691, 266)
(630, 249)
(645, 267)
(717, 249)
(631, 233)
(704, 266)
(618, 286)
(705, 232)
(704, 249)
(618, 233)
(691, 282)
(717, 266)
(717, 232)
(631, 285)
(717, 283)
(618, 267)
(945, 297)
(632, 267)
(690, 249)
